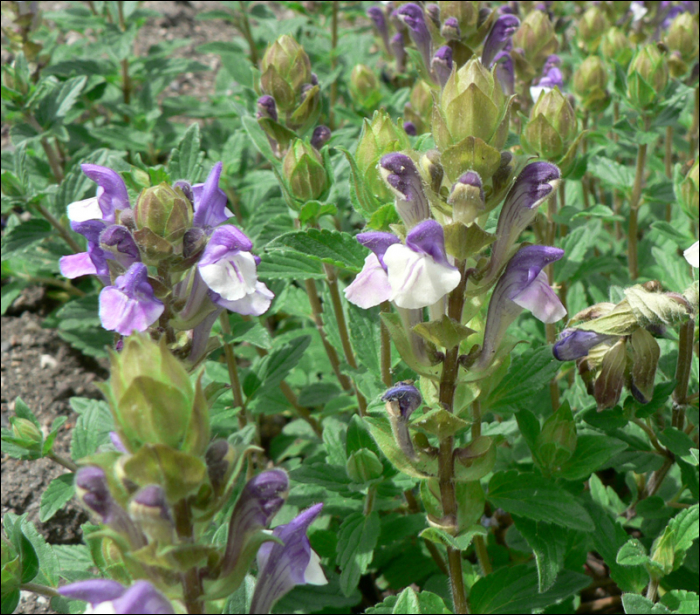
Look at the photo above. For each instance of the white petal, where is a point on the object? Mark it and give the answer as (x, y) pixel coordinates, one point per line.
(541, 300)
(371, 286)
(87, 209)
(103, 608)
(253, 304)
(536, 90)
(416, 279)
(313, 574)
(691, 255)
(233, 277)
(638, 11)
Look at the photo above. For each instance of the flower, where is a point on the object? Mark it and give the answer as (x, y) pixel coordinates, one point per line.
(575, 343)
(130, 304)
(229, 270)
(210, 201)
(106, 596)
(498, 38)
(523, 284)
(398, 48)
(282, 566)
(505, 72)
(401, 176)
(442, 64)
(413, 276)
(376, 14)
(402, 399)
(412, 15)
(691, 255)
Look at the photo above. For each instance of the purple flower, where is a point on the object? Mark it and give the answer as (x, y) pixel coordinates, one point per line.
(404, 397)
(116, 240)
(523, 284)
(283, 566)
(410, 129)
(505, 72)
(532, 187)
(576, 343)
(267, 108)
(450, 29)
(111, 196)
(107, 596)
(398, 48)
(130, 305)
(320, 136)
(499, 36)
(230, 271)
(376, 14)
(92, 262)
(442, 65)
(401, 176)
(210, 201)
(551, 78)
(413, 276)
(259, 502)
(412, 15)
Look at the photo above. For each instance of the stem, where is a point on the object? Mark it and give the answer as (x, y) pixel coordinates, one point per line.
(652, 436)
(652, 589)
(584, 179)
(385, 351)
(126, 81)
(563, 229)
(248, 35)
(685, 361)
(634, 206)
(54, 162)
(301, 410)
(482, 554)
(62, 284)
(448, 383)
(413, 508)
(233, 371)
(62, 231)
(476, 419)
(369, 501)
(42, 590)
(334, 45)
(317, 310)
(192, 587)
(62, 461)
(668, 163)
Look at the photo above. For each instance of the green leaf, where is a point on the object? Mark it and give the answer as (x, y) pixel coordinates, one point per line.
(678, 442)
(186, 159)
(446, 332)
(341, 250)
(681, 601)
(23, 236)
(57, 495)
(10, 292)
(289, 265)
(23, 411)
(515, 590)
(92, 427)
(527, 374)
(548, 543)
(460, 542)
(259, 139)
(537, 498)
(275, 366)
(639, 605)
(62, 102)
(591, 453)
(365, 336)
(362, 199)
(357, 538)
(612, 173)
(317, 598)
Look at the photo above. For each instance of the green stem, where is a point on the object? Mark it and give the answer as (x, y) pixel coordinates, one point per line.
(334, 46)
(482, 554)
(62, 231)
(369, 501)
(301, 410)
(42, 590)
(652, 589)
(668, 164)
(385, 351)
(632, 231)
(683, 367)
(248, 35)
(51, 155)
(62, 284)
(233, 371)
(192, 587)
(413, 508)
(62, 461)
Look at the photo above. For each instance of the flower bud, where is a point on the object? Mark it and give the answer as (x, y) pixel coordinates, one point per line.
(165, 211)
(321, 136)
(376, 14)
(441, 65)
(304, 172)
(647, 76)
(363, 466)
(398, 48)
(466, 15)
(364, 87)
(28, 434)
(432, 11)
(430, 163)
(682, 40)
(552, 126)
(617, 47)
(401, 401)
(591, 27)
(150, 511)
(644, 360)
(499, 38)
(267, 108)
(467, 198)
(590, 81)
(472, 105)
(450, 29)
(413, 17)
(153, 399)
(219, 458)
(687, 192)
(611, 378)
(379, 137)
(534, 41)
(285, 69)
(401, 176)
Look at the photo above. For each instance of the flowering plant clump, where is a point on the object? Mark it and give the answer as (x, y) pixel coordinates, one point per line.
(399, 312)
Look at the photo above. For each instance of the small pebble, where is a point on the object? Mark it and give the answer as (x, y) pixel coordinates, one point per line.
(47, 360)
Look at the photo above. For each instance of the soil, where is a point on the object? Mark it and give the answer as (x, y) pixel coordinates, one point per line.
(36, 364)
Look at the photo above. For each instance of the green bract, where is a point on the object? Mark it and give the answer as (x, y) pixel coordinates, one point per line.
(647, 77)
(590, 81)
(285, 69)
(534, 41)
(163, 210)
(552, 127)
(304, 172)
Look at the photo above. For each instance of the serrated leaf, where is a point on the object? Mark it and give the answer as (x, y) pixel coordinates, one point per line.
(23, 236)
(639, 605)
(681, 601)
(446, 332)
(275, 366)
(460, 542)
(341, 250)
(611, 172)
(592, 452)
(92, 427)
(441, 423)
(548, 543)
(186, 159)
(10, 292)
(259, 139)
(57, 495)
(289, 265)
(357, 538)
(537, 498)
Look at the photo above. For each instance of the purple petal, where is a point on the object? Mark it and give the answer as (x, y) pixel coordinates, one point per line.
(223, 240)
(450, 29)
(111, 193)
(410, 129)
(371, 286)
(93, 591)
(412, 15)
(400, 174)
(576, 343)
(117, 240)
(282, 566)
(76, 265)
(442, 65)
(376, 14)
(407, 396)
(320, 136)
(117, 442)
(130, 305)
(210, 201)
(266, 108)
(541, 300)
(501, 33)
(378, 242)
(142, 598)
(428, 237)
(505, 72)
(398, 48)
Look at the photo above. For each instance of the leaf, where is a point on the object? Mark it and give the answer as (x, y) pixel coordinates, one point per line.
(92, 427)
(10, 292)
(446, 332)
(460, 542)
(548, 543)
(678, 442)
(591, 453)
(365, 336)
(462, 241)
(527, 374)
(259, 139)
(186, 159)
(537, 498)
(681, 601)
(317, 598)
(639, 605)
(363, 201)
(612, 173)
(289, 265)
(57, 495)
(275, 366)
(341, 250)
(23, 236)
(64, 100)
(357, 538)
(515, 590)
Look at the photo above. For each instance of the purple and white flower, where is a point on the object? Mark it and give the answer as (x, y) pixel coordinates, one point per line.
(283, 566)
(106, 596)
(691, 255)
(401, 176)
(523, 284)
(413, 276)
(551, 78)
